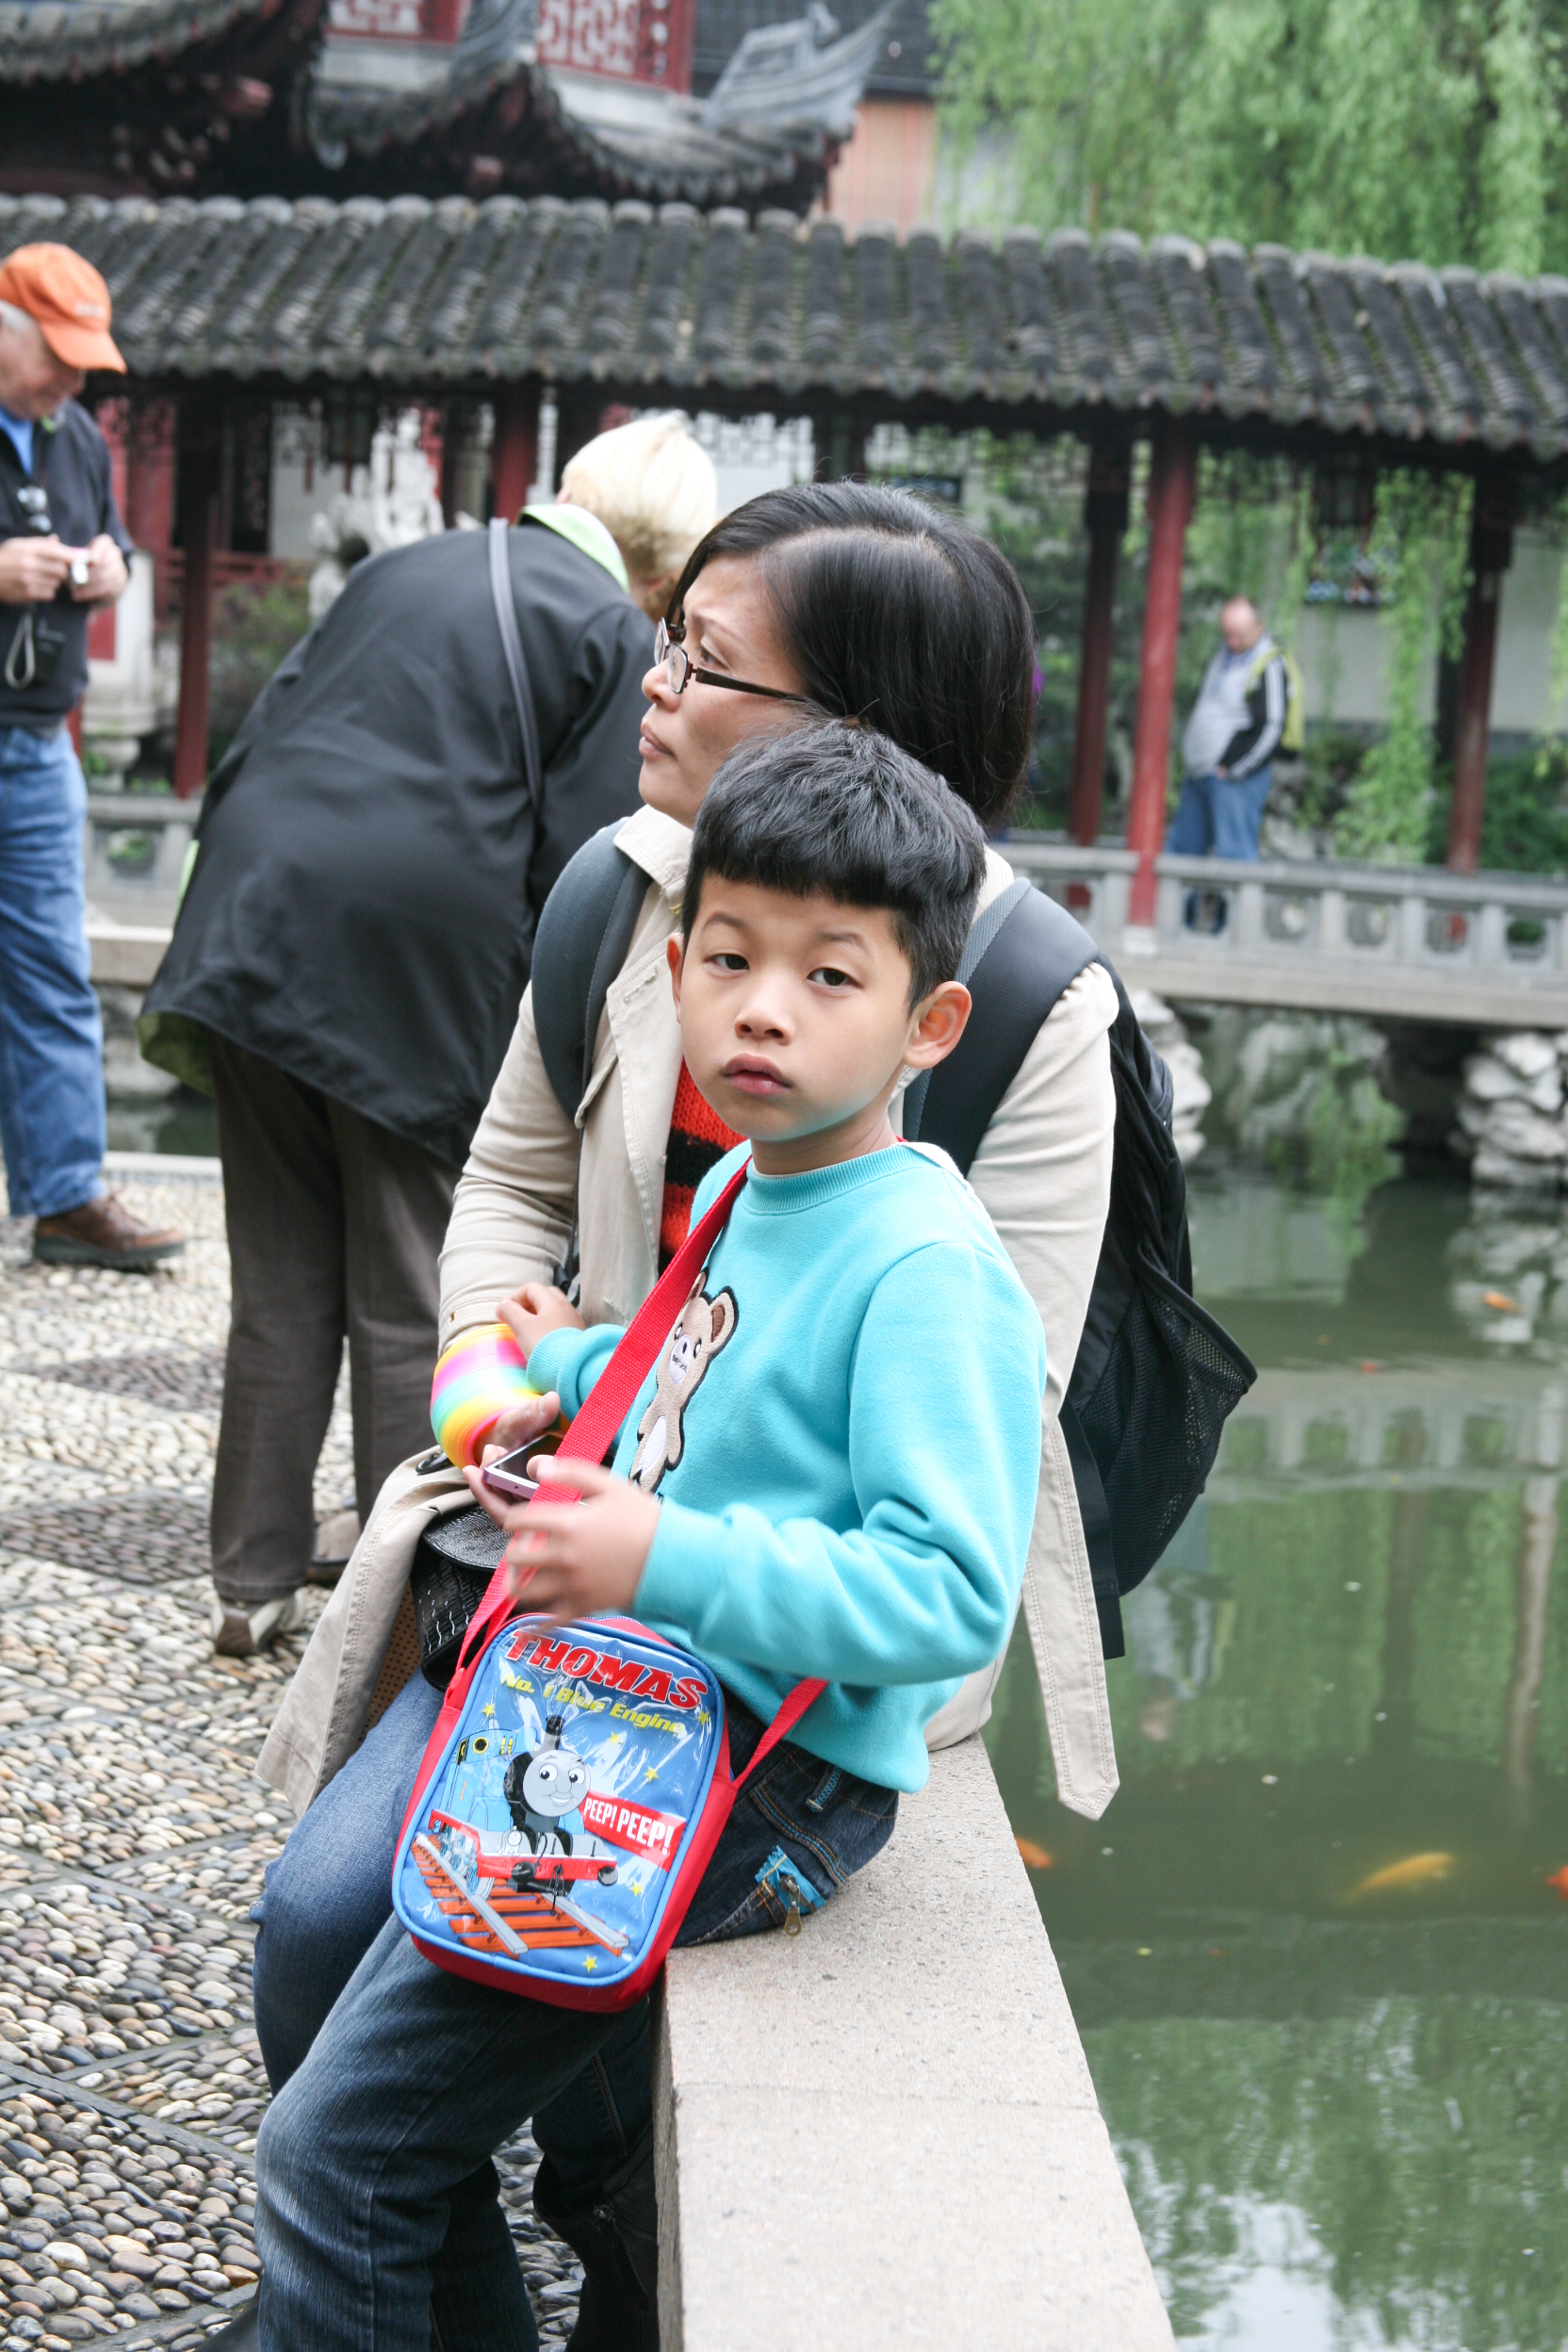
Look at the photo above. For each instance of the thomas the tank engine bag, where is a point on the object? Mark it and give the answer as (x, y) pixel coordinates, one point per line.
(577, 1779)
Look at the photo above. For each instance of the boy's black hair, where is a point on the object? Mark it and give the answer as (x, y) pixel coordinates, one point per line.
(900, 615)
(842, 812)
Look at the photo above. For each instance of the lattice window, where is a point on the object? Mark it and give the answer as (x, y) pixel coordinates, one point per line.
(639, 40)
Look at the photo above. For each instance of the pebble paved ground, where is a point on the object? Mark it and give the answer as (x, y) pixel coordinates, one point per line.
(133, 1835)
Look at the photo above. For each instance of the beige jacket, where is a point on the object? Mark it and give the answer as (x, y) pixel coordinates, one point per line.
(1042, 1172)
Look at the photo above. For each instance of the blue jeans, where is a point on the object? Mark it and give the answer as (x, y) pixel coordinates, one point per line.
(376, 2196)
(1219, 816)
(329, 1895)
(50, 1038)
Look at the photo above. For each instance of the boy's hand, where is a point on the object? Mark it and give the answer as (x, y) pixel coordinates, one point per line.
(536, 1310)
(574, 1560)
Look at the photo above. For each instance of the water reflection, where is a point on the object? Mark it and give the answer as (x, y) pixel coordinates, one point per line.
(1313, 1949)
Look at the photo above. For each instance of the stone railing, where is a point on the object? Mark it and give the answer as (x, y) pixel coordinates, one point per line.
(138, 841)
(882, 2131)
(1414, 941)
(1461, 1423)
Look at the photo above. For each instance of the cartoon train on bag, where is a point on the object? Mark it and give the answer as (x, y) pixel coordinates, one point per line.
(544, 1825)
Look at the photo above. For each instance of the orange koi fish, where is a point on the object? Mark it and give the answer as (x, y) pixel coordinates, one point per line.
(1501, 1299)
(1416, 1870)
(1559, 1879)
(1036, 1859)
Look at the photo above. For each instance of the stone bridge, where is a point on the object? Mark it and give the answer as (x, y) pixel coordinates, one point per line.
(1453, 1424)
(1407, 942)
(1404, 942)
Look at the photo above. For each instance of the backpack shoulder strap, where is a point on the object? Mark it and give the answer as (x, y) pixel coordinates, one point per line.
(584, 931)
(512, 648)
(1015, 966)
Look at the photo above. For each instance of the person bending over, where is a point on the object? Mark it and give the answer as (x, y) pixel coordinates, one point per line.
(850, 1497)
(347, 962)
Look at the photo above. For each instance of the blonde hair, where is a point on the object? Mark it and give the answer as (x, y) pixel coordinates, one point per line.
(652, 486)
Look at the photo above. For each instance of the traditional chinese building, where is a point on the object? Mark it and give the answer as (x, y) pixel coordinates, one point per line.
(888, 170)
(342, 98)
(225, 311)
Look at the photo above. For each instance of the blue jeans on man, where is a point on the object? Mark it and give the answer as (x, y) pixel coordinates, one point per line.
(393, 2083)
(50, 1038)
(1218, 816)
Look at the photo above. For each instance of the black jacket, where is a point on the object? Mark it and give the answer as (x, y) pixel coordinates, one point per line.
(71, 465)
(370, 867)
(1253, 745)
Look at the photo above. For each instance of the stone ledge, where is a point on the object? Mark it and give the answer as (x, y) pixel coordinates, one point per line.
(125, 954)
(883, 2132)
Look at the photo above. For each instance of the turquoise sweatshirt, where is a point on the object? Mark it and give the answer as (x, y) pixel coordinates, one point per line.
(844, 1434)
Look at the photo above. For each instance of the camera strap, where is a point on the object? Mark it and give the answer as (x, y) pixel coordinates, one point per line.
(22, 660)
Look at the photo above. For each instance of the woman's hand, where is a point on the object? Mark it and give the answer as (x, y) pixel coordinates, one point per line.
(536, 1310)
(575, 1560)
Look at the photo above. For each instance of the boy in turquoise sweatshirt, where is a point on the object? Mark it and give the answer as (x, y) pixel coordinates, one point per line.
(833, 1468)
(831, 1473)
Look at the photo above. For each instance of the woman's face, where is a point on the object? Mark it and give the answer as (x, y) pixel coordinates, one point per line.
(730, 625)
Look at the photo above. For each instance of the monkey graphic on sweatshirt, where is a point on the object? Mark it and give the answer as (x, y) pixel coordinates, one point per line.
(706, 1325)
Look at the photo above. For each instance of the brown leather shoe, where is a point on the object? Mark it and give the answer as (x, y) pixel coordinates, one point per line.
(102, 1232)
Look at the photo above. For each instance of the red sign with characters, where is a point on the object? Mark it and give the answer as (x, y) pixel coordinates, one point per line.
(633, 1826)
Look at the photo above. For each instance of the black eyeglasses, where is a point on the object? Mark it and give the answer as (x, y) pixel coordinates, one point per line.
(680, 669)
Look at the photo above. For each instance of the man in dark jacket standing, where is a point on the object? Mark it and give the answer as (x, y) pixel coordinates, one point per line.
(62, 550)
(354, 945)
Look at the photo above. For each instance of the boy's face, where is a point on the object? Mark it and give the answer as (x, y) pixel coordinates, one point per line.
(796, 1023)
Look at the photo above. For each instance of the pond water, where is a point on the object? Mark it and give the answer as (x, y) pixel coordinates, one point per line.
(184, 1123)
(1320, 1974)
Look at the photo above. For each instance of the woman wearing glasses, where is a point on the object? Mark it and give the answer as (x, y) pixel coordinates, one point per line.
(830, 598)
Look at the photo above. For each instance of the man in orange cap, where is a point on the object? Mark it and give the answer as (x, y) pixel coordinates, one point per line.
(63, 548)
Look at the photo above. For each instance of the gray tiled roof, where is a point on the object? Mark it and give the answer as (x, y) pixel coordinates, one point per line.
(903, 67)
(564, 132)
(702, 306)
(51, 39)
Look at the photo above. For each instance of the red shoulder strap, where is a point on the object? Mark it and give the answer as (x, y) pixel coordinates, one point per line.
(804, 1694)
(594, 1430)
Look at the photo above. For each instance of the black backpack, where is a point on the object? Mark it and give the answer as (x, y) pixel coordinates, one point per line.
(1155, 1375)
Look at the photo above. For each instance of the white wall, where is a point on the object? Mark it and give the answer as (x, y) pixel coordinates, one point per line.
(1344, 650)
(302, 482)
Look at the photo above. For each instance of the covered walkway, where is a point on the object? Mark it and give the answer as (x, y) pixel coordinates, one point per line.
(1347, 367)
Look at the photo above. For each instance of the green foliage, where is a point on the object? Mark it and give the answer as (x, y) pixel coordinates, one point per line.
(1396, 127)
(1423, 519)
(1525, 817)
(253, 624)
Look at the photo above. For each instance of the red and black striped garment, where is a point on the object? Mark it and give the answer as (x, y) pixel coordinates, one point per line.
(698, 1140)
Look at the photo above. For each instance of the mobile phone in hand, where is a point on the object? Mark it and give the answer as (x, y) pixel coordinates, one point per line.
(508, 1475)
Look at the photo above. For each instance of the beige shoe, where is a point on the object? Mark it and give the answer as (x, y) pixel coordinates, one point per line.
(239, 1632)
(336, 1538)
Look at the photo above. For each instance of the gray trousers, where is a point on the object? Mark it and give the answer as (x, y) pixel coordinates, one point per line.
(333, 1226)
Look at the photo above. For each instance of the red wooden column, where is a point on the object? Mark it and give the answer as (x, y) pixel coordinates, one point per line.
(1106, 516)
(200, 443)
(1491, 546)
(1172, 486)
(514, 451)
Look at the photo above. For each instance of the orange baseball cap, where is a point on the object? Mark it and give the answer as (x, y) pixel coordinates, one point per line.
(68, 298)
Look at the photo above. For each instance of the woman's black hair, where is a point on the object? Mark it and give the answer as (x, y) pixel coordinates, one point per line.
(900, 616)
